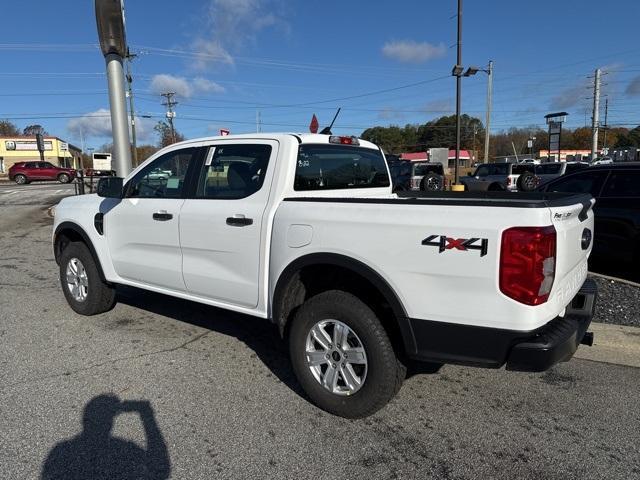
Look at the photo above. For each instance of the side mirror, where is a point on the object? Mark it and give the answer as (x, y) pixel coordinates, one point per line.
(110, 187)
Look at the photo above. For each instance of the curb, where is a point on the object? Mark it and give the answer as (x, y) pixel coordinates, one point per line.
(616, 344)
(615, 279)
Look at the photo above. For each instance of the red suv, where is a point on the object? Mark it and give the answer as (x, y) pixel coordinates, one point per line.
(25, 172)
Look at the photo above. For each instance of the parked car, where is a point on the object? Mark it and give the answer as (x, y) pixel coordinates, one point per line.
(616, 188)
(427, 176)
(500, 177)
(602, 161)
(25, 172)
(304, 230)
(552, 170)
(400, 171)
(92, 172)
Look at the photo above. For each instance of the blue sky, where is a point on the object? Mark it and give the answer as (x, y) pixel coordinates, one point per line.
(290, 59)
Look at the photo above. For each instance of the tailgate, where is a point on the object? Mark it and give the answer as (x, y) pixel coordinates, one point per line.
(574, 233)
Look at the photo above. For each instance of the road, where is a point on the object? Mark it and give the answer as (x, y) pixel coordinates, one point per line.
(34, 193)
(216, 398)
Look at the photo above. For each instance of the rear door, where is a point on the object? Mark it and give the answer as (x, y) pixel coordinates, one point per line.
(47, 171)
(618, 210)
(222, 226)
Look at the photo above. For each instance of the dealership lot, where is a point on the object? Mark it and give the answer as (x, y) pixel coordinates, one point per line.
(225, 403)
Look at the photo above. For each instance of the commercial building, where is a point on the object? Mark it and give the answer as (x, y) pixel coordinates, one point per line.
(23, 149)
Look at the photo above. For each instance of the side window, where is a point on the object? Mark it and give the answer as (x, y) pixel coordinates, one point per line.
(623, 184)
(233, 171)
(586, 182)
(162, 178)
(482, 171)
(549, 168)
(574, 167)
(500, 169)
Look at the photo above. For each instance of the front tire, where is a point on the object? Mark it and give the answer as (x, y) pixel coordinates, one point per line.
(84, 289)
(342, 355)
(20, 179)
(64, 178)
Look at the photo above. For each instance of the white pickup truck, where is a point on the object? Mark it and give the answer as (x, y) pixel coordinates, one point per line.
(305, 231)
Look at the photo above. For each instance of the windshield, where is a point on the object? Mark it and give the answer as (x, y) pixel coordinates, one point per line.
(332, 167)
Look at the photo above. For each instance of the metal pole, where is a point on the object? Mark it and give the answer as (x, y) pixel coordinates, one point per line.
(487, 126)
(595, 119)
(132, 113)
(119, 121)
(458, 92)
(606, 125)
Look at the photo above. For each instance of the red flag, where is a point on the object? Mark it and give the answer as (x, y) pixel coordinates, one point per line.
(313, 126)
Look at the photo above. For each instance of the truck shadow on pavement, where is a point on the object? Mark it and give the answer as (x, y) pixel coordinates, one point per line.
(96, 454)
(258, 334)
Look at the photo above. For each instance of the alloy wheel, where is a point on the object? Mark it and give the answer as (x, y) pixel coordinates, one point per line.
(336, 357)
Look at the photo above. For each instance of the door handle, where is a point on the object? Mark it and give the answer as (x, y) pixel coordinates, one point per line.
(239, 221)
(162, 216)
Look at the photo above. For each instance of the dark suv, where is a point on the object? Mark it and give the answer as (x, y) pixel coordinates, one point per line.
(616, 188)
(25, 172)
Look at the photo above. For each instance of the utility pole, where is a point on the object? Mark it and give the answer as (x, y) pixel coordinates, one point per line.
(458, 92)
(596, 115)
(132, 114)
(487, 123)
(606, 125)
(170, 103)
(258, 121)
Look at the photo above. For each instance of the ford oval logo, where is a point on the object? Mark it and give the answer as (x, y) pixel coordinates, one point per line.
(586, 238)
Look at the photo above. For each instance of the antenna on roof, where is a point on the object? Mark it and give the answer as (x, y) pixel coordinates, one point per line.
(327, 130)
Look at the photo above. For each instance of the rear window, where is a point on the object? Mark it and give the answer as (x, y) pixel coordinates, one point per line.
(523, 167)
(334, 167)
(549, 168)
(574, 167)
(623, 184)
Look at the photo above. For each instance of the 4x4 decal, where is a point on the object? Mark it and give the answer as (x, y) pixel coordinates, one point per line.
(448, 243)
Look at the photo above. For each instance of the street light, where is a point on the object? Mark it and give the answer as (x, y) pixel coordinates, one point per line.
(111, 33)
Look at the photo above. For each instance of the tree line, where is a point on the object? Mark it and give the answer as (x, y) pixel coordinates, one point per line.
(441, 132)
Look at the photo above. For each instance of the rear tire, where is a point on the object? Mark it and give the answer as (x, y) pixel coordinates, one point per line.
(92, 295)
(64, 178)
(379, 377)
(20, 179)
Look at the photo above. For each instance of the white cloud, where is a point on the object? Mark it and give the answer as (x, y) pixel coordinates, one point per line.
(206, 86)
(230, 25)
(390, 113)
(410, 51)
(169, 83)
(98, 124)
(94, 124)
(634, 87)
(441, 106)
(182, 86)
(570, 97)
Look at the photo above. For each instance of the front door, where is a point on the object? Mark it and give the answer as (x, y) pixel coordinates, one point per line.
(142, 229)
(221, 228)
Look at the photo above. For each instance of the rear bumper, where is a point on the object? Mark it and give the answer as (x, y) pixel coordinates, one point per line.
(532, 351)
(558, 340)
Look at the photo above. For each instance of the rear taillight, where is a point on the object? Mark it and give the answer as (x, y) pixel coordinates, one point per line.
(508, 180)
(528, 263)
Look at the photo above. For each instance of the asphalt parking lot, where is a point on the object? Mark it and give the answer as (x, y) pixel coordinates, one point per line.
(195, 392)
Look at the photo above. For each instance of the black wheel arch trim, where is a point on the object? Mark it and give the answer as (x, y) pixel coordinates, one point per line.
(85, 238)
(357, 267)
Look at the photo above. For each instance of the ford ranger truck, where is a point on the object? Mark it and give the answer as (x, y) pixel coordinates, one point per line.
(304, 230)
